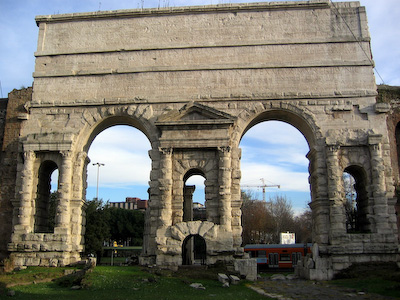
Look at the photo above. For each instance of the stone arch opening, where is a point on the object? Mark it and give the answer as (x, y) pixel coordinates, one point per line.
(123, 149)
(302, 164)
(45, 202)
(275, 150)
(194, 204)
(303, 125)
(356, 200)
(194, 250)
(115, 120)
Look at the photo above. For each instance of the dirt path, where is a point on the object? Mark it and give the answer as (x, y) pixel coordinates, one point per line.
(304, 289)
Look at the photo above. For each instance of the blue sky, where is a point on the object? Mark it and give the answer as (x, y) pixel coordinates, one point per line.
(271, 150)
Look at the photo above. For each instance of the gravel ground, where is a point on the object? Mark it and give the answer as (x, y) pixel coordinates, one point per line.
(284, 289)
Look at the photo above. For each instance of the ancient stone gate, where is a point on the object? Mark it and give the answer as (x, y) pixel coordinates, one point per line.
(194, 80)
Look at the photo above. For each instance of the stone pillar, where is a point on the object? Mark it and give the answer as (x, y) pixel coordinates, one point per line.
(188, 191)
(335, 191)
(319, 196)
(225, 181)
(25, 213)
(77, 203)
(236, 201)
(64, 190)
(79, 179)
(165, 186)
(378, 184)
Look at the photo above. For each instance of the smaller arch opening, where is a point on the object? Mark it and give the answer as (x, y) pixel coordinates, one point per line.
(194, 250)
(356, 200)
(46, 200)
(194, 204)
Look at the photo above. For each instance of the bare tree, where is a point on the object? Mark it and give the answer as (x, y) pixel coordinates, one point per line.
(256, 220)
(282, 215)
(263, 222)
(304, 227)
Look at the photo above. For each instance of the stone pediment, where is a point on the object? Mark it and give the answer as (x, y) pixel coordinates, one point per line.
(195, 114)
(194, 126)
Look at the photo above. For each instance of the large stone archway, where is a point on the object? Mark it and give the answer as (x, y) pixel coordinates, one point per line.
(194, 79)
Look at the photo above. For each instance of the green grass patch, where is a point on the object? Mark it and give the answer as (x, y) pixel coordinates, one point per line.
(119, 283)
(136, 248)
(376, 278)
(372, 284)
(115, 260)
(30, 275)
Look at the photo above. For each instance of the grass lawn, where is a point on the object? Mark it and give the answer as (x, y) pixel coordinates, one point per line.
(118, 283)
(372, 284)
(382, 279)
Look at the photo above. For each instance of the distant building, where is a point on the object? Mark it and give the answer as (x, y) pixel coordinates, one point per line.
(132, 203)
(199, 212)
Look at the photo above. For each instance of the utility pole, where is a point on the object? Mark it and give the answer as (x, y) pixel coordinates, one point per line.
(98, 171)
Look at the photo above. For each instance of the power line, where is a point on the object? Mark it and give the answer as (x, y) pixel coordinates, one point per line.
(357, 40)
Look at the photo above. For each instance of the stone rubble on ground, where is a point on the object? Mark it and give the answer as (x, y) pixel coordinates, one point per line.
(197, 286)
(223, 278)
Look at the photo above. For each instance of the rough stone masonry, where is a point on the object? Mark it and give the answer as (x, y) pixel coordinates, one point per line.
(194, 80)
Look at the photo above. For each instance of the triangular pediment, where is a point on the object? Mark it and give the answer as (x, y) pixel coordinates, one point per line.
(195, 113)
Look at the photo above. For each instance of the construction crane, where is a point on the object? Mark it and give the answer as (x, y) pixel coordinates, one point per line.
(263, 186)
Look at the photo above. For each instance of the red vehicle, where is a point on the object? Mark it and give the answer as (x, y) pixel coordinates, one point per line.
(277, 255)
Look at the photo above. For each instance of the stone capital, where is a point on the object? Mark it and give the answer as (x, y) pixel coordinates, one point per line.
(165, 151)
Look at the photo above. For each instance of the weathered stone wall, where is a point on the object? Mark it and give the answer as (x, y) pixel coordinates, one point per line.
(389, 100)
(13, 112)
(194, 80)
(3, 111)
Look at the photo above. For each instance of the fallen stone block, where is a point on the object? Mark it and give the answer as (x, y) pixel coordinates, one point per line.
(223, 278)
(234, 279)
(197, 286)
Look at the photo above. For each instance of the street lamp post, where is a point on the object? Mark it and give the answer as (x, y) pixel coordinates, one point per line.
(98, 169)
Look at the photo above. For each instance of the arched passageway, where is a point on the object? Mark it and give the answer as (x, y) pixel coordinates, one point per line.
(194, 250)
(46, 200)
(123, 151)
(194, 204)
(274, 154)
(356, 200)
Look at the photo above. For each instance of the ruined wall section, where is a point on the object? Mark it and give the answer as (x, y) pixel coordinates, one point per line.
(13, 113)
(198, 77)
(3, 111)
(389, 101)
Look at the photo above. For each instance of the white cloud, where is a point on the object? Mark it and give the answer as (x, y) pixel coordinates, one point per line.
(274, 175)
(275, 132)
(124, 152)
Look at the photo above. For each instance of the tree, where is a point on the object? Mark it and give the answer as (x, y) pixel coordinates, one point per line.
(303, 225)
(263, 222)
(126, 226)
(97, 226)
(282, 215)
(256, 220)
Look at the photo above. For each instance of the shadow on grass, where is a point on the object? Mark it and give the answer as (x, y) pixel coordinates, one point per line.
(120, 283)
(376, 278)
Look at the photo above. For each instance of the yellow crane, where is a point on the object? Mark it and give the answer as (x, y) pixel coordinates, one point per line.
(263, 186)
